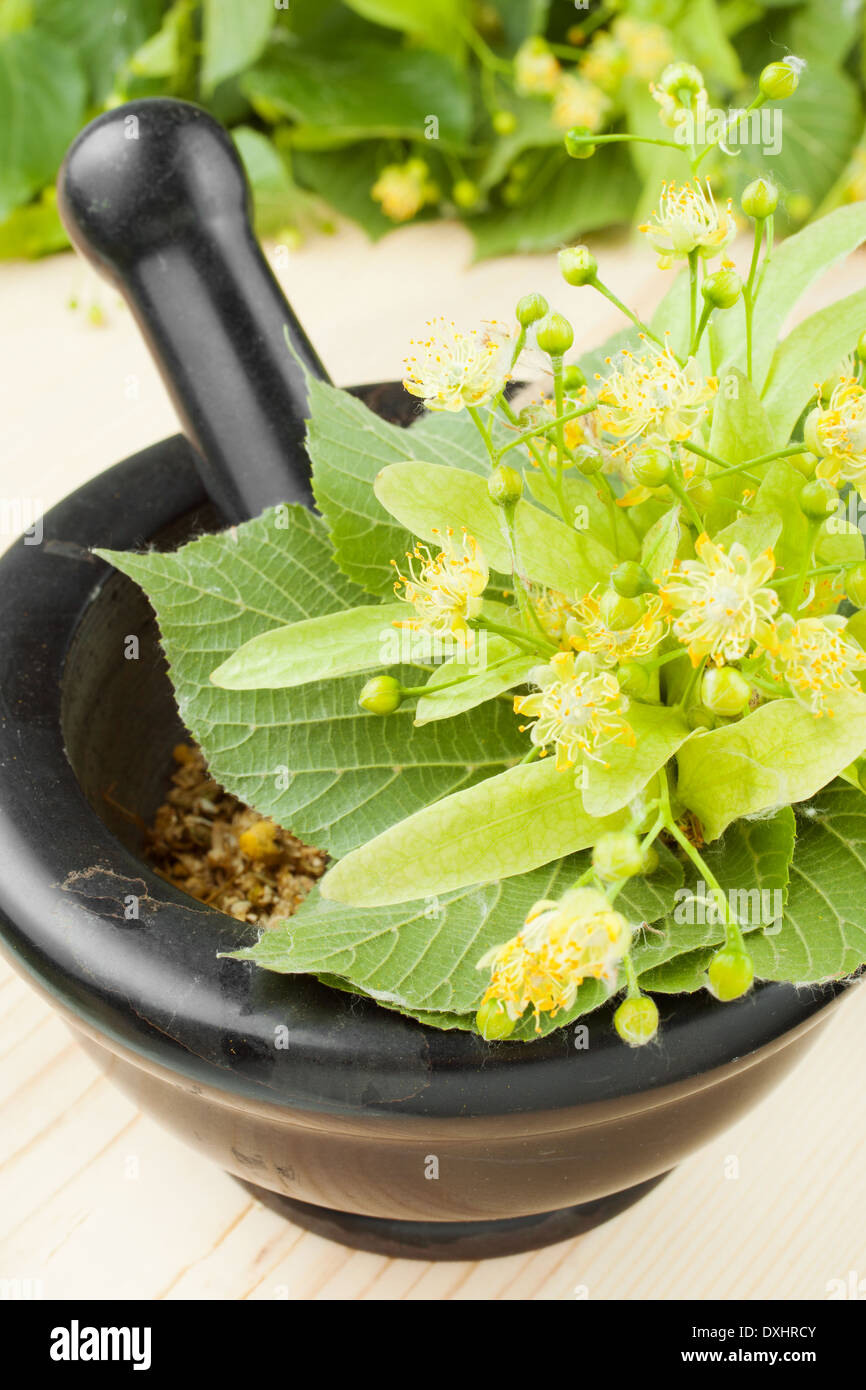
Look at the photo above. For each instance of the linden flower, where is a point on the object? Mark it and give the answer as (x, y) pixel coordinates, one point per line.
(577, 708)
(612, 647)
(840, 435)
(720, 600)
(536, 70)
(579, 102)
(653, 398)
(446, 591)
(648, 46)
(452, 369)
(553, 611)
(816, 659)
(562, 944)
(688, 220)
(403, 189)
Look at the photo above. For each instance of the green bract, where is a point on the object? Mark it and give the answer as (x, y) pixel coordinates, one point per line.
(573, 697)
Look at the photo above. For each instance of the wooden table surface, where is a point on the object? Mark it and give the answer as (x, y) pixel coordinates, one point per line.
(95, 1200)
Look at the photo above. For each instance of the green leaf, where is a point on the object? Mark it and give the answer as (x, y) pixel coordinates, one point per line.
(700, 38)
(423, 955)
(660, 543)
(276, 196)
(428, 498)
(436, 23)
(807, 356)
(349, 445)
(503, 826)
(752, 865)
(102, 33)
(310, 757)
(534, 130)
(685, 974)
(779, 754)
(659, 732)
(569, 198)
(740, 430)
(314, 649)
(608, 525)
(358, 91)
(42, 94)
(778, 496)
(796, 264)
(233, 37)
(824, 931)
(757, 532)
(505, 667)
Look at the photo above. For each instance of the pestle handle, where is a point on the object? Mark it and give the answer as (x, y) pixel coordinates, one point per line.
(154, 195)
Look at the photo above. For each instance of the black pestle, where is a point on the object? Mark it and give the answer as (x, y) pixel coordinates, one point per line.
(154, 195)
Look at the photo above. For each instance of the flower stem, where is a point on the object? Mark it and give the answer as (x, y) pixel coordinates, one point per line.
(693, 294)
(748, 295)
(520, 639)
(624, 309)
(484, 432)
(542, 431)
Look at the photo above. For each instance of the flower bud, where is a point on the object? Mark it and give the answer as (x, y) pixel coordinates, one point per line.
(855, 585)
(760, 198)
(573, 378)
(381, 695)
(730, 973)
(633, 679)
(618, 855)
(637, 1020)
(554, 334)
(618, 612)
(531, 308)
(578, 142)
(505, 486)
(724, 690)
(651, 467)
(681, 77)
(492, 1021)
(589, 463)
(818, 499)
(465, 193)
(504, 122)
(722, 289)
(578, 265)
(780, 80)
(631, 579)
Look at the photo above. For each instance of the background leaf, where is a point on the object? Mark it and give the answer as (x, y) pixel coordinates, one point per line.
(567, 199)
(358, 91)
(233, 36)
(42, 94)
